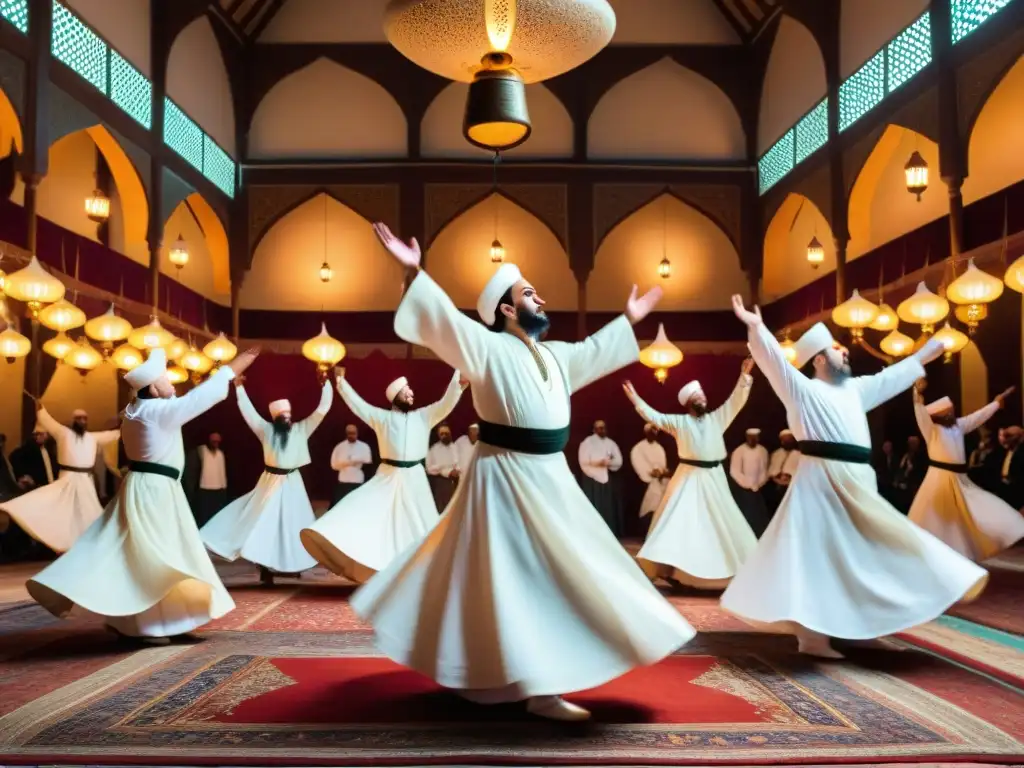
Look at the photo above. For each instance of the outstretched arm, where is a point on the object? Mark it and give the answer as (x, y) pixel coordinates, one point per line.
(972, 421)
(180, 410)
(252, 417)
(665, 422)
(106, 437)
(311, 422)
(898, 377)
(369, 414)
(924, 421)
(50, 424)
(438, 412)
(786, 380)
(727, 411)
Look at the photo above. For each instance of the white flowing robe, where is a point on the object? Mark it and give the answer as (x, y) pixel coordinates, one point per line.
(58, 513)
(837, 558)
(699, 535)
(647, 456)
(263, 526)
(521, 589)
(394, 510)
(974, 522)
(593, 452)
(142, 565)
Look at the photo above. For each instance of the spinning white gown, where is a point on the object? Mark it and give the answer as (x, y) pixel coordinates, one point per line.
(142, 565)
(837, 558)
(974, 522)
(521, 589)
(58, 513)
(698, 536)
(395, 509)
(263, 526)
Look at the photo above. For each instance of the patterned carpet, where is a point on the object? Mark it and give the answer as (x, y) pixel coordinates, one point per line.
(291, 677)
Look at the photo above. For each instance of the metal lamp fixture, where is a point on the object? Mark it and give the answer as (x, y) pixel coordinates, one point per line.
(97, 207)
(324, 350)
(34, 286)
(916, 172)
(971, 292)
(856, 313)
(661, 354)
(923, 308)
(13, 345)
(815, 253)
(108, 329)
(178, 254)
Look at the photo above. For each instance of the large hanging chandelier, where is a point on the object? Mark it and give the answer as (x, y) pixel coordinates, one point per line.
(220, 350)
(923, 308)
(59, 346)
(150, 336)
(856, 313)
(953, 340)
(126, 357)
(83, 357)
(34, 286)
(13, 345)
(972, 291)
(61, 316)
(324, 350)
(497, 46)
(107, 329)
(97, 207)
(661, 354)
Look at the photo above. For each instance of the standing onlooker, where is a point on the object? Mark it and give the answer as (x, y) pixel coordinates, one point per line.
(348, 459)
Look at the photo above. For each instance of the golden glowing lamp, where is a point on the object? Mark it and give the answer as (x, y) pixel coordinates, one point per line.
(195, 361)
(970, 315)
(220, 350)
(497, 251)
(150, 336)
(323, 350)
(952, 339)
(126, 357)
(886, 319)
(916, 173)
(815, 253)
(83, 357)
(1014, 277)
(665, 268)
(326, 273)
(97, 207)
(923, 308)
(175, 349)
(34, 286)
(59, 346)
(896, 344)
(177, 375)
(788, 349)
(178, 254)
(13, 345)
(61, 316)
(856, 313)
(974, 289)
(3, 281)
(107, 329)
(661, 354)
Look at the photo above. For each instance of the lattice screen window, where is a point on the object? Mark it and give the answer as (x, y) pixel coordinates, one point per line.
(182, 135)
(812, 131)
(218, 167)
(776, 162)
(79, 47)
(130, 90)
(909, 52)
(862, 91)
(968, 15)
(16, 12)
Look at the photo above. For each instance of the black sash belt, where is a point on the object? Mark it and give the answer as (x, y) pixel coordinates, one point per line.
(402, 464)
(701, 463)
(851, 454)
(540, 442)
(83, 470)
(278, 470)
(960, 469)
(151, 468)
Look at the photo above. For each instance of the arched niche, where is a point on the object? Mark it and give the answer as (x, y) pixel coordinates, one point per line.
(669, 22)
(881, 208)
(441, 128)
(208, 271)
(11, 139)
(125, 24)
(794, 82)
(327, 110)
(994, 156)
(459, 257)
(286, 263)
(197, 81)
(786, 269)
(665, 112)
(327, 21)
(705, 265)
(71, 178)
(867, 25)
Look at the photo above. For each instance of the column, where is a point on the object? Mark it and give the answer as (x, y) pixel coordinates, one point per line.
(37, 111)
(841, 292)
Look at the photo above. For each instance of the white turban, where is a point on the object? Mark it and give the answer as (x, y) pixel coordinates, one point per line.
(395, 387)
(940, 405)
(817, 338)
(753, 431)
(278, 407)
(78, 412)
(487, 305)
(152, 370)
(689, 391)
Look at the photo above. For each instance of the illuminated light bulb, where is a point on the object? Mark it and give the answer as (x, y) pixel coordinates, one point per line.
(497, 252)
(150, 336)
(13, 345)
(856, 313)
(220, 350)
(923, 308)
(815, 253)
(896, 344)
(83, 357)
(177, 375)
(661, 354)
(62, 315)
(59, 346)
(887, 319)
(126, 357)
(916, 174)
(34, 286)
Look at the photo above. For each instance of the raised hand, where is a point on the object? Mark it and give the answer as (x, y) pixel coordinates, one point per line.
(748, 366)
(241, 363)
(930, 350)
(630, 390)
(1002, 396)
(406, 254)
(639, 308)
(750, 319)
(339, 373)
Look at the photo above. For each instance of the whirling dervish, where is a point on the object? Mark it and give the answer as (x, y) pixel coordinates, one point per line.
(263, 526)
(521, 592)
(58, 513)
(698, 536)
(395, 509)
(974, 522)
(837, 559)
(142, 565)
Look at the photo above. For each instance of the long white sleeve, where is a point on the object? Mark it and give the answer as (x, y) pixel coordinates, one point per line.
(311, 422)
(438, 412)
(181, 410)
(786, 380)
(665, 422)
(724, 414)
(889, 382)
(252, 417)
(611, 348)
(55, 429)
(370, 415)
(924, 421)
(972, 421)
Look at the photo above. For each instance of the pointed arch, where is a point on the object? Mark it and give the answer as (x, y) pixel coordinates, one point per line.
(11, 139)
(459, 256)
(994, 159)
(666, 111)
(208, 271)
(794, 81)
(284, 274)
(294, 119)
(790, 231)
(867, 25)
(880, 208)
(198, 82)
(706, 269)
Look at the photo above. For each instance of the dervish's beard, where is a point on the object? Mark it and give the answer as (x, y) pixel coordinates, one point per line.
(534, 324)
(698, 410)
(946, 420)
(840, 371)
(78, 428)
(282, 430)
(402, 405)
